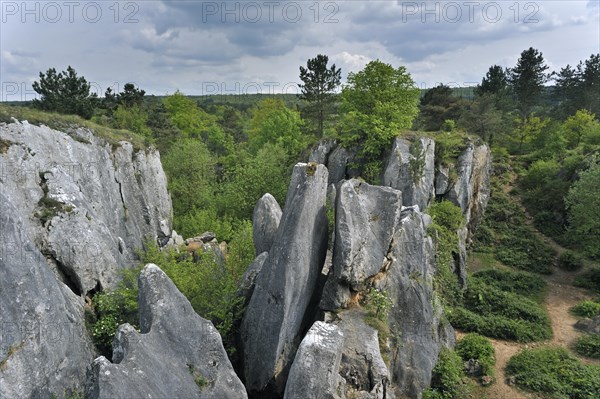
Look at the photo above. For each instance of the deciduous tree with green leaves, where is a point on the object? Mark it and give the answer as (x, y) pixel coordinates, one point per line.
(377, 103)
(318, 89)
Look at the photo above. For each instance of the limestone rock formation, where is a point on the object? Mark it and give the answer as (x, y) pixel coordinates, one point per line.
(177, 354)
(274, 320)
(249, 278)
(44, 347)
(471, 189)
(315, 372)
(417, 316)
(265, 221)
(366, 218)
(86, 205)
(411, 169)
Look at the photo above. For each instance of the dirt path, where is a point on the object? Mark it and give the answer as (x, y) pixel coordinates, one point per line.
(561, 296)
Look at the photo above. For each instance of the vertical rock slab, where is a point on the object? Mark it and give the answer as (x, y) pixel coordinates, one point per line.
(87, 205)
(177, 354)
(366, 218)
(411, 169)
(44, 346)
(265, 222)
(417, 316)
(471, 190)
(274, 321)
(315, 372)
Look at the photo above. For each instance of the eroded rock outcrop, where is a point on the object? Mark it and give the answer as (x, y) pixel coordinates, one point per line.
(265, 222)
(366, 218)
(43, 343)
(86, 205)
(411, 169)
(276, 316)
(470, 189)
(176, 354)
(416, 317)
(315, 372)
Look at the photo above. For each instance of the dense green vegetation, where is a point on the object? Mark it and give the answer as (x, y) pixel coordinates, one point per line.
(588, 346)
(222, 153)
(587, 308)
(555, 373)
(477, 347)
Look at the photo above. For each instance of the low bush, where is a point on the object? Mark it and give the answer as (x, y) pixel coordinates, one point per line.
(485, 299)
(448, 379)
(555, 373)
(588, 346)
(113, 308)
(498, 326)
(522, 283)
(477, 347)
(586, 309)
(570, 261)
(590, 280)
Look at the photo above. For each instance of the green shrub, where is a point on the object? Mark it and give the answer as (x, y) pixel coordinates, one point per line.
(379, 302)
(447, 381)
(447, 218)
(588, 346)
(555, 373)
(477, 347)
(498, 326)
(113, 308)
(586, 309)
(570, 261)
(489, 300)
(590, 280)
(522, 283)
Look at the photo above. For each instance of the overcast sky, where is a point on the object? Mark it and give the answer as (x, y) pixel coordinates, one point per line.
(237, 47)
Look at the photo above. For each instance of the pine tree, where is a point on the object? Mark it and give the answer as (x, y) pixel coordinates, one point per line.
(318, 89)
(527, 79)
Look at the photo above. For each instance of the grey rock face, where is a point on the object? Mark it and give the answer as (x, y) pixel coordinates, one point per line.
(321, 152)
(265, 222)
(366, 218)
(471, 191)
(591, 326)
(44, 347)
(87, 206)
(362, 366)
(411, 169)
(417, 316)
(315, 372)
(274, 319)
(249, 279)
(177, 354)
(337, 163)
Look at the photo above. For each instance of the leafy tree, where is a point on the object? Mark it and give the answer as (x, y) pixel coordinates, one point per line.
(132, 118)
(318, 89)
(528, 128)
(483, 118)
(190, 168)
(272, 122)
(194, 122)
(527, 79)
(377, 103)
(438, 105)
(64, 92)
(129, 97)
(580, 126)
(583, 202)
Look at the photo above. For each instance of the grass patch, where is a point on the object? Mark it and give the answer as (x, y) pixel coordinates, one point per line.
(448, 379)
(521, 283)
(493, 309)
(477, 347)
(586, 309)
(570, 261)
(589, 279)
(554, 373)
(68, 123)
(588, 346)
